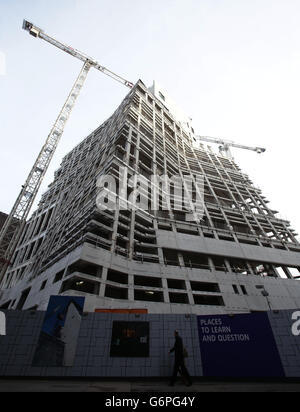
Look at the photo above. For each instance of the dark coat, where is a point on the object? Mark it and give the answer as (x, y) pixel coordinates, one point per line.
(178, 348)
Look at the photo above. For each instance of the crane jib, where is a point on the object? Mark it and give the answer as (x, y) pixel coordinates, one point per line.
(11, 232)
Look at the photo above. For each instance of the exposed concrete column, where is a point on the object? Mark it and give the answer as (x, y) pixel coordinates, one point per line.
(287, 272)
(159, 249)
(211, 264)
(227, 264)
(180, 259)
(276, 271)
(103, 281)
(190, 294)
(131, 235)
(249, 267)
(130, 288)
(165, 290)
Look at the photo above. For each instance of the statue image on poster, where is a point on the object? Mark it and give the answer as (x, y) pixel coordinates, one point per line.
(58, 338)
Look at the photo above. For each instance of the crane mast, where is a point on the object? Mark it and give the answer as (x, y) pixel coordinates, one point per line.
(14, 225)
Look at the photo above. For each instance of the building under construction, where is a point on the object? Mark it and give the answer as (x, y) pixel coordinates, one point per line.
(3, 217)
(239, 257)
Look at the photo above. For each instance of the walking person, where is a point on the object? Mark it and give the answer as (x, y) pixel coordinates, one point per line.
(179, 365)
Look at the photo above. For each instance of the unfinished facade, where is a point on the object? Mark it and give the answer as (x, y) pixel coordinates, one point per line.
(239, 258)
(3, 217)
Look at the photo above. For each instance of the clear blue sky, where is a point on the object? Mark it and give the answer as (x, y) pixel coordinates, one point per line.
(232, 65)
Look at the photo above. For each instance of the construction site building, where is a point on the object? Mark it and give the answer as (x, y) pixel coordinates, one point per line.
(238, 258)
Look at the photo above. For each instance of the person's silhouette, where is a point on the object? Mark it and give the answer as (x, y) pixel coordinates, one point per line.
(179, 361)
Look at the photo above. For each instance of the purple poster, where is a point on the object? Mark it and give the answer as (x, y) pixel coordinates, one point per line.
(240, 345)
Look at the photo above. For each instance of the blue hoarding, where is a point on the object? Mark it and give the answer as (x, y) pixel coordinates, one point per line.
(238, 346)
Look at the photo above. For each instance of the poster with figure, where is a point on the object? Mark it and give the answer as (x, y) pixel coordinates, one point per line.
(130, 339)
(58, 338)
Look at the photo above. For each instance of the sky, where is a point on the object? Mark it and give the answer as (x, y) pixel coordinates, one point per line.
(232, 65)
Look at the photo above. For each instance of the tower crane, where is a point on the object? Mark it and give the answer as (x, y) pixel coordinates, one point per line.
(16, 220)
(226, 144)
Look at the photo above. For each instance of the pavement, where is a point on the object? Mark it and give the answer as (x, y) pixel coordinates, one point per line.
(141, 386)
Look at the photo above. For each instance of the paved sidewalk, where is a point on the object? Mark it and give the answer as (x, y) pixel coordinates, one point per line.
(140, 386)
